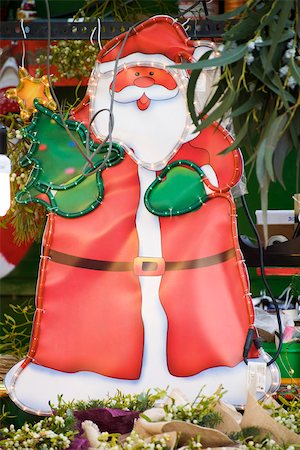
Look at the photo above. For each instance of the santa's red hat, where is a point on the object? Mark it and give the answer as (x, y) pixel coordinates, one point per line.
(159, 39)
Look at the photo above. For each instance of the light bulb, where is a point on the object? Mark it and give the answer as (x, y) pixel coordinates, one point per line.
(5, 169)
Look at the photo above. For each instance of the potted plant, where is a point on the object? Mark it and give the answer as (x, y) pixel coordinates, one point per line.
(259, 86)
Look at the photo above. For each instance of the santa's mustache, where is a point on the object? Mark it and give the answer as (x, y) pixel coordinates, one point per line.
(154, 92)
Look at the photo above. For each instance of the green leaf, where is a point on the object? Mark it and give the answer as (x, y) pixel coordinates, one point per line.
(264, 204)
(219, 112)
(191, 95)
(245, 28)
(247, 106)
(238, 139)
(280, 25)
(283, 148)
(294, 130)
(283, 93)
(272, 138)
(269, 18)
(227, 57)
(295, 70)
(256, 70)
(267, 66)
(143, 416)
(221, 88)
(287, 35)
(229, 15)
(260, 162)
(191, 89)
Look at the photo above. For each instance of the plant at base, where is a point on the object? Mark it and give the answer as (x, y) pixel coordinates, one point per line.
(200, 412)
(55, 432)
(194, 443)
(132, 442)
(251, 439)
(288, 413)
(16, 330)
(128, 402)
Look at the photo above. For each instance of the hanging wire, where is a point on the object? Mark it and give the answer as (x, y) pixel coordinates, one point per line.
(190, 8)
(99, 33)
(108, 138)
(23, 43)
(263, 275)
(92, 35)
(72, 137)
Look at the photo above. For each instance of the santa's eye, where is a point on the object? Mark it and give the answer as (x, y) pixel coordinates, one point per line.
(137, 74)
(151, 73)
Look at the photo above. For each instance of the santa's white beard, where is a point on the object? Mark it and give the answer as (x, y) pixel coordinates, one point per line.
(153, 135)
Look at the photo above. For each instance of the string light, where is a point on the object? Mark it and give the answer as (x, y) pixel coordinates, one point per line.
(182, 86)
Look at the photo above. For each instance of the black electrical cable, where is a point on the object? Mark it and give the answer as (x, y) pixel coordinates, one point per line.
(190, 9)
(263, 275)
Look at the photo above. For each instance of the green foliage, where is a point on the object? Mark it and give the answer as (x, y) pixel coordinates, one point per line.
(72, 59)
(129, 402)
(52, 432)
(295, 286)
(125, 11)
(4, 415)
(28, 222)
(16, 330)
(288, 413)
(200, 412)
(251, 439)
(259, 85)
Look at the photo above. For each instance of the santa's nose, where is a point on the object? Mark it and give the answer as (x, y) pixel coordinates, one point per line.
(143, 82)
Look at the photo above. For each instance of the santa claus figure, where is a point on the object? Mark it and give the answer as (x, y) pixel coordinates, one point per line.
(149, 289)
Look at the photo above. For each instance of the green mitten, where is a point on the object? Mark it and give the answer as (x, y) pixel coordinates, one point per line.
(178, 189)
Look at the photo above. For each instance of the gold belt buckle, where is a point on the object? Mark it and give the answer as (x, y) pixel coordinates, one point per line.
(144, 266)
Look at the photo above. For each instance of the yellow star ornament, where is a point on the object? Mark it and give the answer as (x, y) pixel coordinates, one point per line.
(27, 90)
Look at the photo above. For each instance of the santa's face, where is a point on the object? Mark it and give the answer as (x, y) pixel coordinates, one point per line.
(151, 118)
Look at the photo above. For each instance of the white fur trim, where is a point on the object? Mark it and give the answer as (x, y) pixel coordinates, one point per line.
(5, 266)
(138, 58)
(36, 385)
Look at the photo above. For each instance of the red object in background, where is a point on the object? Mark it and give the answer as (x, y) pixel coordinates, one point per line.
(11, 254)
(280, 271)
(33, 49)
(7, 105)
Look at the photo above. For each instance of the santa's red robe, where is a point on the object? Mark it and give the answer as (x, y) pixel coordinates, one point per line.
(89, 307)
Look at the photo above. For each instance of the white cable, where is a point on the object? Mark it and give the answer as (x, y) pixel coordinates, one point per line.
(23, 43)
(186, 22)
(99, 33)
(91, 36)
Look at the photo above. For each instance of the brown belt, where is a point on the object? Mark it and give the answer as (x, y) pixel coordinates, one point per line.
(141, 266)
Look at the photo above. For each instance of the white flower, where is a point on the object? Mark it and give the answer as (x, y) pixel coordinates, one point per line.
(290, 53)
(249, 58)
(283, 71)
(251, 45)
(290, 44)
(291, 82)
(59, 421)
(258, 40)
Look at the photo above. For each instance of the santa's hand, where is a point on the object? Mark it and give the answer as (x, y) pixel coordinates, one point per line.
(179, 189)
